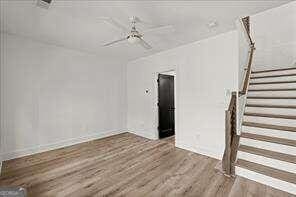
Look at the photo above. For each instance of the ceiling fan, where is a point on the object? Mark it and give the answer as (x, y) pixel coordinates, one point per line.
(133, 36)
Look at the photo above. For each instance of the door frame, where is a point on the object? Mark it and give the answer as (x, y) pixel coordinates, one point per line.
(172, 72)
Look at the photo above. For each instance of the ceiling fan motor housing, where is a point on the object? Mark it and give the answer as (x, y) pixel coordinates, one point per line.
(133, 36)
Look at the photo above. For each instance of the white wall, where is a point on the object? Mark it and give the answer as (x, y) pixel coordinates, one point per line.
(274, 32)
(205, 70)
(53, 97)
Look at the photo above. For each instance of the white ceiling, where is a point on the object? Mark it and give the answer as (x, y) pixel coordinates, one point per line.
(76, 24)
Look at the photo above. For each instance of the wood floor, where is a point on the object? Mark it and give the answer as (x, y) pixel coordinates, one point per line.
(126, 165)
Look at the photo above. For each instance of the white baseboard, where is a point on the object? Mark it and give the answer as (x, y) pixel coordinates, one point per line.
(210, 153)
(148, 135)
(203, 151)
(52, 146)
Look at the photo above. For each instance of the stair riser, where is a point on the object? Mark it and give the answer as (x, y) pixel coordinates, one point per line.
(273, 93)
(275, 121)
(288, 78)
(269, 146)
(278, 133)
(274, 73)
(266, 180)
(268, 86)
(272, 101)
(270, 132)
(274, 163)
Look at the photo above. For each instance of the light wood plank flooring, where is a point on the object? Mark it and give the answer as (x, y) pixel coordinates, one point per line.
(126, 165)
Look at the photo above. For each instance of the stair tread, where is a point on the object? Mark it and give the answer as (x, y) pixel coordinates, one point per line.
(272, 76)
(271, 106)
(269, 115)
(271, 82)
(269, 126)
(272, 89)
(271, 97)
(259, 168)
(268, 171)
(273, 70)
(271, 139)
(268, 153)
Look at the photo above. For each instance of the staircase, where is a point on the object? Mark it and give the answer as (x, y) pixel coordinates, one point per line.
(267, 150)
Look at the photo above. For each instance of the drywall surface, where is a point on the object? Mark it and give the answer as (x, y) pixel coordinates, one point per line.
(53, 97)
(274, 32)
(206, 73)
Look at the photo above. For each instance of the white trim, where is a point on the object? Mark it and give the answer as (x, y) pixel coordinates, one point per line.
(209, 152)
(56, 145)
(145, 134)
(203, 151)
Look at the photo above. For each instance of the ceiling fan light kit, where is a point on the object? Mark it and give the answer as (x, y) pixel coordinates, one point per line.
(133, 39)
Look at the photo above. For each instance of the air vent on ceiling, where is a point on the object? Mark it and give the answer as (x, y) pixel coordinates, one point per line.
(43, 3)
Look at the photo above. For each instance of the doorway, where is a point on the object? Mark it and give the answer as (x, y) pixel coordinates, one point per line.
(166, 106)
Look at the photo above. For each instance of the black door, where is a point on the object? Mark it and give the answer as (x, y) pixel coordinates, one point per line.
(166, 106)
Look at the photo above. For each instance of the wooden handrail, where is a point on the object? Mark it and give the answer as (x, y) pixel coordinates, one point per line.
(246, 24)
(232, 101)
(248, 73)
(231, 138)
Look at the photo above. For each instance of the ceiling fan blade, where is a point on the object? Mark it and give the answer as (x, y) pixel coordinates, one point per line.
(141, 21)
(160, 30)
(144, 44)
(113, 42)
(114, 23)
